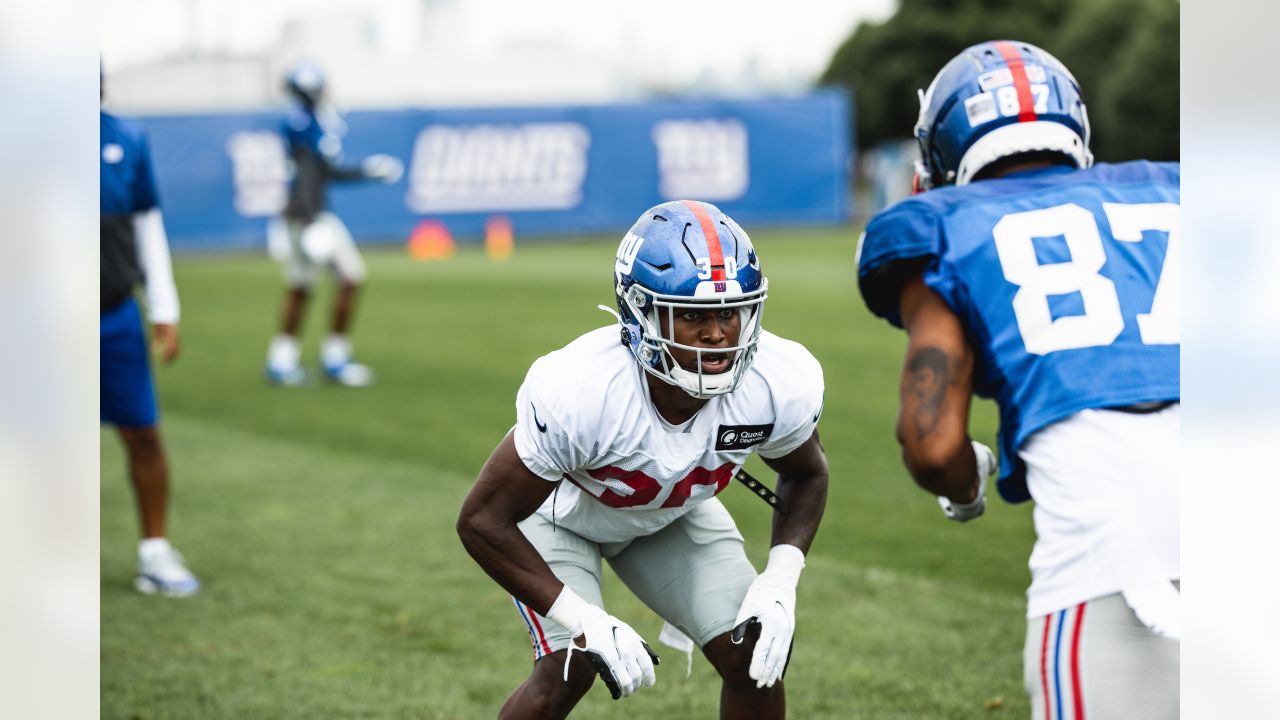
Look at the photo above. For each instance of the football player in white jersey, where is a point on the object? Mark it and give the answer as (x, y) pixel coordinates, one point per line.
(619, 448)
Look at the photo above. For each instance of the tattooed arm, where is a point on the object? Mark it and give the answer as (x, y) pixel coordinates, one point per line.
(937, 384)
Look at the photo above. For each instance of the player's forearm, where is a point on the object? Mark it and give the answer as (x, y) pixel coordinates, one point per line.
(345, 173)
(806, 499)
(504, 553)
(933, 417)
(153, 256)
(943, 469)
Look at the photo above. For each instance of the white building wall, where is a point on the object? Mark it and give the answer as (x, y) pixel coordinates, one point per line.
(187, 55)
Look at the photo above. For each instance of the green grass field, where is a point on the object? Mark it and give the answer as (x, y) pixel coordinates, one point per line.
(321, 519)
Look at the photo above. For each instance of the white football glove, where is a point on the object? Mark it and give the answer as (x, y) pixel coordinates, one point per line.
(618, 653)
(382, 167)
(771, 604)
(964, 512)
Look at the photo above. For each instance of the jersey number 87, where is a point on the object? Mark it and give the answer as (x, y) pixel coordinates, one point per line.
(1102, 321)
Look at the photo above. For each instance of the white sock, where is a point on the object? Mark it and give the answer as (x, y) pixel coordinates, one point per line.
(284, 353)
(335, 351)
(151, 547)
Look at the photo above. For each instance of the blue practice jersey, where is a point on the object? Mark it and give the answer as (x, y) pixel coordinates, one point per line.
(126, 186)
(314, 140)
(1066, 282)
(302, 130)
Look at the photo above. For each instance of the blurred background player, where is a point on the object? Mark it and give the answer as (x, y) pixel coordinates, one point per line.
(1025, 274)
(316, 238)
(618, 451)
(134, 249)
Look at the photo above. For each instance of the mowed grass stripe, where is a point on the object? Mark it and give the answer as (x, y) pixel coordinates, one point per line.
(330, 578)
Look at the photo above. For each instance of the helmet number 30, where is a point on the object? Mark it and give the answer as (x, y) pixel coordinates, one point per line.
(1102, 321)
(730, 268)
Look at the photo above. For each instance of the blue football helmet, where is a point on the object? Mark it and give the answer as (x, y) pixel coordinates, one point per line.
(684, 255)
(305, 83)
(993, 100)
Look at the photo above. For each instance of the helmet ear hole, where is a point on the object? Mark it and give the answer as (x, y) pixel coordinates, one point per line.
(638, 297)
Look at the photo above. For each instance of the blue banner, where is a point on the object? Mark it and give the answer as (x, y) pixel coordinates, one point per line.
(547, 170)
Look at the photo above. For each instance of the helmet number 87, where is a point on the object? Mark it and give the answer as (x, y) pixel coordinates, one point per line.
(1007, 99)
(1102, 321)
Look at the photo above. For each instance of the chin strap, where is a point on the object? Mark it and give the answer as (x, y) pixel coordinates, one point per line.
(922, 180)
(626, 337)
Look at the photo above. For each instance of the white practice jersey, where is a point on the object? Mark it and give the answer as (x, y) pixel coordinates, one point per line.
(584, 415)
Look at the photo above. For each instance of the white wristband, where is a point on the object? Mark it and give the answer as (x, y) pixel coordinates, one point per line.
(785, 562)
(567, 611)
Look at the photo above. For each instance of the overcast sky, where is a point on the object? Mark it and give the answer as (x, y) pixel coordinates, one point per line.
(687, 38)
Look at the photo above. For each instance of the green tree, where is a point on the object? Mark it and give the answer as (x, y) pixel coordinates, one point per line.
(884, 63)
(1113, 46)
(1137, 103)
(1125, 55)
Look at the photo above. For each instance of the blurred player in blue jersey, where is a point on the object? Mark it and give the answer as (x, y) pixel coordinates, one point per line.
(1024, 273)
(316, 238)
(134, 249)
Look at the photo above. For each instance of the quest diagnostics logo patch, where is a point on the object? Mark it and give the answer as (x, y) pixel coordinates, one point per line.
(738, 437)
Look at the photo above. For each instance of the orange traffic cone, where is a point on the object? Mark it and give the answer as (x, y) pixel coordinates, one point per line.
(430, 240)
(499, 238)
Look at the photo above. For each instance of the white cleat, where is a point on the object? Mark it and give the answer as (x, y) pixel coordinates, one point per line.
(165, 573)
(350, 374)
(291, 377)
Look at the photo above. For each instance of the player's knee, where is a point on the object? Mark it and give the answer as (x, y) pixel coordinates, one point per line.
(732, 661)
(550, 691)
(143, 443)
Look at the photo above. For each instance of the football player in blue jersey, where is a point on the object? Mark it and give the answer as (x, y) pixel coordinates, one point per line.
(1024, 273)
(134, 250)
(316, 238)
